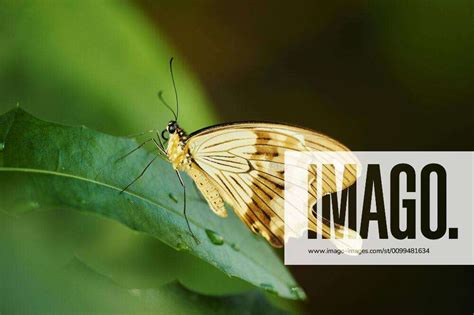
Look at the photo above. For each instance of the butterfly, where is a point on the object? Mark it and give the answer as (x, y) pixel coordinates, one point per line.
(242, 164)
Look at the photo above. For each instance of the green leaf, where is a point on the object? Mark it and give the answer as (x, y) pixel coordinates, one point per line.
(49, 166)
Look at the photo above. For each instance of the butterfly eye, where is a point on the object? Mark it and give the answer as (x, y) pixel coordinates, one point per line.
(171, 128)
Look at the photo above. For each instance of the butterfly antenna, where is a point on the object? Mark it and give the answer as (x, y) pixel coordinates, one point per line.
(160, 96)
(174, 87)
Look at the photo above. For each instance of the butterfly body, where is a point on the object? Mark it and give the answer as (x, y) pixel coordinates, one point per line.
(181, 159)
(176, 152)
(243, 164)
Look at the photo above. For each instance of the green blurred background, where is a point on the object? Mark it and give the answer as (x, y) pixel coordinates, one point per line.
(377, 75)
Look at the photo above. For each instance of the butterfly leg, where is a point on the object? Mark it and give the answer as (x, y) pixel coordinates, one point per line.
(160, 146)
(141, 174)
(135, 149)
(125, 155)
(184, 211)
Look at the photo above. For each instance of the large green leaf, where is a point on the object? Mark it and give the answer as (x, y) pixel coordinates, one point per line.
(46, 165)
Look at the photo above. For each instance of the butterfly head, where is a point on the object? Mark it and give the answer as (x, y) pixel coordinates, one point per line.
(173, 129)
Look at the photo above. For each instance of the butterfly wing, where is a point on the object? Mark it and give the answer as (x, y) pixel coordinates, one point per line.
(245, 161)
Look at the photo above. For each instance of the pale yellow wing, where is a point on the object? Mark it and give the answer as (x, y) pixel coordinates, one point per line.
(245, 161)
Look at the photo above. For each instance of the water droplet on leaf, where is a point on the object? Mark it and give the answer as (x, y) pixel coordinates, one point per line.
(173, 197)
(235, 247)
(215, 238)
(2, 146)
(181, 246)
(298, 292)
